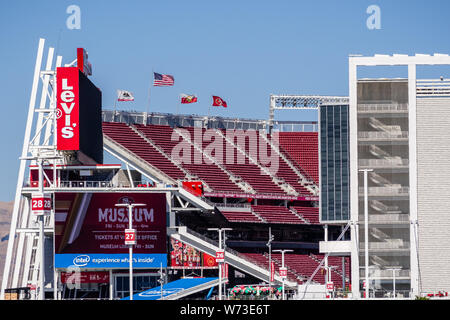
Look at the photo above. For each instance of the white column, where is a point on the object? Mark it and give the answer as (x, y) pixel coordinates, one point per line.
(327, 271)
(354, 218)
(393, 283)
(366, 233)
(412, 144)
(111, 292)
(41, 236)
(130, 226)
(282, 264)
(220, 266)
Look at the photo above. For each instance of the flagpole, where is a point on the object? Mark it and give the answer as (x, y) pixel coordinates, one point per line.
(114, 114)
(149, 96)
(209, 112)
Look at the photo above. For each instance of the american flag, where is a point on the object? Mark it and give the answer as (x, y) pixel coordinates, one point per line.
(162, 79)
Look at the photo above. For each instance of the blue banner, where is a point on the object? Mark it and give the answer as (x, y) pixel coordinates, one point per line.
(107, 261)
(174, 287)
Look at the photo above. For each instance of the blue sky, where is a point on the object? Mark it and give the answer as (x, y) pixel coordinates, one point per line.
(240, 50)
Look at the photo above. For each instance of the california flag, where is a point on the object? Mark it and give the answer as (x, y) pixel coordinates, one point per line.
(123, 95)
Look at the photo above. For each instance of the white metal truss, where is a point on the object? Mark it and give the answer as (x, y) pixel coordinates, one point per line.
(305, 101)
(39, 143)
(301, 102)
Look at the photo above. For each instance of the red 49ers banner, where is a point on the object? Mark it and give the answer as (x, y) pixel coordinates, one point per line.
(218, 101)
(185, 256)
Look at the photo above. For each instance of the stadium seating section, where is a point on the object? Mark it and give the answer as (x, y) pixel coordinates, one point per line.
(303, 147)
(302, 266)
(217, 178)
(155, 144)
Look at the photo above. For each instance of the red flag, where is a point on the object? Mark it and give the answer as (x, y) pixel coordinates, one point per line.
(218, 101)
(185, 98)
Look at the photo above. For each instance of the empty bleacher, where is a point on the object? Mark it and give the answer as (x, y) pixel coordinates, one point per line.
(249, 171)
(303, 148)
(122, 134)
(263, 261)
(240, 216)
(210, 173)
(310, 214)
(218, 178)
(286, 172)
(302, 266)
(276, 214)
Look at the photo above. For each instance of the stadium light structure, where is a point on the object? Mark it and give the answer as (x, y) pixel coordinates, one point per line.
(301, 102)
(282, 265)
(130, 207)
(219, 230)
(366, 230)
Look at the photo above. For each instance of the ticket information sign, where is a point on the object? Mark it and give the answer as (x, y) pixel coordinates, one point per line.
(90, 230)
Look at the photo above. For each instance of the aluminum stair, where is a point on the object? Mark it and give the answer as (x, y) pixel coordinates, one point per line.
(232, 257)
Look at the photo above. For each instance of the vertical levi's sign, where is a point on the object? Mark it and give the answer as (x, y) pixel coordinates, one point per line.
(67, 108)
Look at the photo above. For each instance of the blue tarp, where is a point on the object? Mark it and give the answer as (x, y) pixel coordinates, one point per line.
(170, 288)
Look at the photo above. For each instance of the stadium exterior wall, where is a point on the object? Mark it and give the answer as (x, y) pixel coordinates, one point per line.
(433, 198)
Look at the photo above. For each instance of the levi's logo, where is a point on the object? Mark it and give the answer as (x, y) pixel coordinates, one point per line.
(68, 112)
(67, 97)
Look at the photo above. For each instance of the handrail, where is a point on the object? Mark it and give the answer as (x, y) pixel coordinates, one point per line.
(385, 190)
(383, 135)
(383, 162)
(97, 184)
(232, 205)
(382, 107)
(268, 194)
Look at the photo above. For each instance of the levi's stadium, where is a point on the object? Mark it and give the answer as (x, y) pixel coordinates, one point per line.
(205, 207)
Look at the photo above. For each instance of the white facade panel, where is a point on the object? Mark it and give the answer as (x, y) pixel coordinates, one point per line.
(433, 199)
(336, 248)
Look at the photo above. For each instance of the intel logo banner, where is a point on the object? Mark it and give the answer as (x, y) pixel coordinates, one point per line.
(98, 260)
